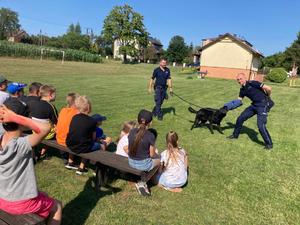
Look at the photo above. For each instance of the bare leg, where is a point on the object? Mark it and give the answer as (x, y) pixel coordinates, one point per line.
(71, 158)
(82, 165)
(176, 190)
(55, 214)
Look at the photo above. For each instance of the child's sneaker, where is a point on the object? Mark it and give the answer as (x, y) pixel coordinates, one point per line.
(71, 166)
(142, 188)
(81, 171)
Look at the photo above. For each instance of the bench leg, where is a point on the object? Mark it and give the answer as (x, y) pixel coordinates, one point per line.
(101, 176)
(146, 176)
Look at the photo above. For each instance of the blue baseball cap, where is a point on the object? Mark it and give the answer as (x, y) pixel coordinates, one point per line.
(98, 117)
(12, 88)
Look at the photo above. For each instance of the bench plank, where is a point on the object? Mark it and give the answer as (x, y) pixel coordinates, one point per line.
(26, 219)
(104, 157)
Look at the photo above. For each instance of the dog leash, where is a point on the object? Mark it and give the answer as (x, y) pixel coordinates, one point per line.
(186, 101)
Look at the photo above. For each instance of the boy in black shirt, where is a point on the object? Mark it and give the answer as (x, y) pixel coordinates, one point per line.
(82, 132)
(33, 95)
(44, 111)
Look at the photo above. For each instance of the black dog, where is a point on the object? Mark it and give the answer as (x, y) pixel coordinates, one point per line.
(212, 116)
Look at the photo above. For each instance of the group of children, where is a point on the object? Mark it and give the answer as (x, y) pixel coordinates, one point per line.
(81, 133)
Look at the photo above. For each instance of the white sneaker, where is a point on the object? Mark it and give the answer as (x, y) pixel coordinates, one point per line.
(142, 188)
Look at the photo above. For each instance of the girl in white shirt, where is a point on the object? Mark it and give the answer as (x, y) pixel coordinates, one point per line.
(174, 164)
(122, 147)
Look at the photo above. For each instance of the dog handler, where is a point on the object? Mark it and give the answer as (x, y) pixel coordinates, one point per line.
(161, 79)
(259, 94)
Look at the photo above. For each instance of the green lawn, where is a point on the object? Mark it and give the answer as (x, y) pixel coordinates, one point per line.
(230, 182)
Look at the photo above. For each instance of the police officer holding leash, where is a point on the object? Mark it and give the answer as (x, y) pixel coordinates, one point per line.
(259, 94)
(161, 79)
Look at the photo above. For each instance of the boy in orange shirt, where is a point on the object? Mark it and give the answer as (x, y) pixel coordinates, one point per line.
(62, 128)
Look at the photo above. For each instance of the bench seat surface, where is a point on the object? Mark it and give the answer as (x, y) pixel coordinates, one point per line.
(104, 157)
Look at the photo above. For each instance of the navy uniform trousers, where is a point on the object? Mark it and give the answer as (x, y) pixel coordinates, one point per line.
(159, 96)
(262, 114)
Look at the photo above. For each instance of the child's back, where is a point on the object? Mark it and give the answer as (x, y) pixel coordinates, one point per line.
(64, 119)
(80, 136)
(174, 163)
(17, 175)
(18, 188)
(175, 172)
(43, 110)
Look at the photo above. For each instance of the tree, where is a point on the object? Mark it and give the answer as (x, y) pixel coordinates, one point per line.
(77, 29)
(71, 28)
(177, 49)
(127, 26)
(76, 41)
(9, 23)
(292, 54)
(104, 46)
(74, 28)
(287, 58)
(150, 53)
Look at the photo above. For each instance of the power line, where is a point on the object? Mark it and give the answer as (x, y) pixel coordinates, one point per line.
(50, 23)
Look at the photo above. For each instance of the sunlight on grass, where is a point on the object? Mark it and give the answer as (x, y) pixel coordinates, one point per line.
(230, 182)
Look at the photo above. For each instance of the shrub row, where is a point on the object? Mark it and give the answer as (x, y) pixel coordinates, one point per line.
(33, 51)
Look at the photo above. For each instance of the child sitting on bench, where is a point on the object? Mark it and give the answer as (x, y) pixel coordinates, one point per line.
(82, 132)
(62, 128)
(100, 136)
(141, 145)
(44, 111)
(122, 147)
(18, 187)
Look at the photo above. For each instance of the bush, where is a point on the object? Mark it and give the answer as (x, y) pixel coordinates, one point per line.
(277, 75)
(34, 52)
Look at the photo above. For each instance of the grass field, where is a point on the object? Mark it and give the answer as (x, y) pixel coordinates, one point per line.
(230, 182)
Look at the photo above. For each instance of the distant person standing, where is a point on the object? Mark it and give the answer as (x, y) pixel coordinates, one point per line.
(161, 79)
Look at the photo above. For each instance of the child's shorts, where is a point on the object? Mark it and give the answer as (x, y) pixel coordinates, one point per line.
(41, 205)
(143, 165)
(162, 180)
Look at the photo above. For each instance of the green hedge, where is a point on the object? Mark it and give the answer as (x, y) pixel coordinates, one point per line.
(33, 51)
(277, 75)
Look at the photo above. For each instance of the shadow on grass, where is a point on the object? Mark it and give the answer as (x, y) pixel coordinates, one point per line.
(169, 110)
(252, 134)
(77, 211)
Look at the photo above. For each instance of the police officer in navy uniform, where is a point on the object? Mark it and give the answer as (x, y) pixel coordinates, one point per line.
(161, 79)
(259, 94)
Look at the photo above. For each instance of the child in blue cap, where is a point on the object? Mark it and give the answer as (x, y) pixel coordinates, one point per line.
(100, 136)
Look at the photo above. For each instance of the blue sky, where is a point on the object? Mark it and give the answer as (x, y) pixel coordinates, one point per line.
(270, 25)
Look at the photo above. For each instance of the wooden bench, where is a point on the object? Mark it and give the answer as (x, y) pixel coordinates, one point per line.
(105, 160)
(27, 219)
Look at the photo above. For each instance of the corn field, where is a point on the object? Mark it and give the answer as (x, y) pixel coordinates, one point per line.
(34, 52)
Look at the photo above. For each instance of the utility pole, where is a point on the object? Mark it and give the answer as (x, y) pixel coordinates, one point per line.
(41, 37)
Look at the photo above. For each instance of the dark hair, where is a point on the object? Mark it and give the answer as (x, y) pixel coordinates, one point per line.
(10, 126)
(154, 132)
(163, 59)
(19, 108)
(144, 118)
(71, 99)
(34, 88)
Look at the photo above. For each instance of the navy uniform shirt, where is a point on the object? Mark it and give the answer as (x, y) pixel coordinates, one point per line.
(253, 90)
(161, 76)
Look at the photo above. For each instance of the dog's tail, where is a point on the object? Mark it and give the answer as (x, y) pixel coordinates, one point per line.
(192, 110)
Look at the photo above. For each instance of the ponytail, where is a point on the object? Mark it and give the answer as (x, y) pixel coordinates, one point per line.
(172, 144)
(139, 135)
